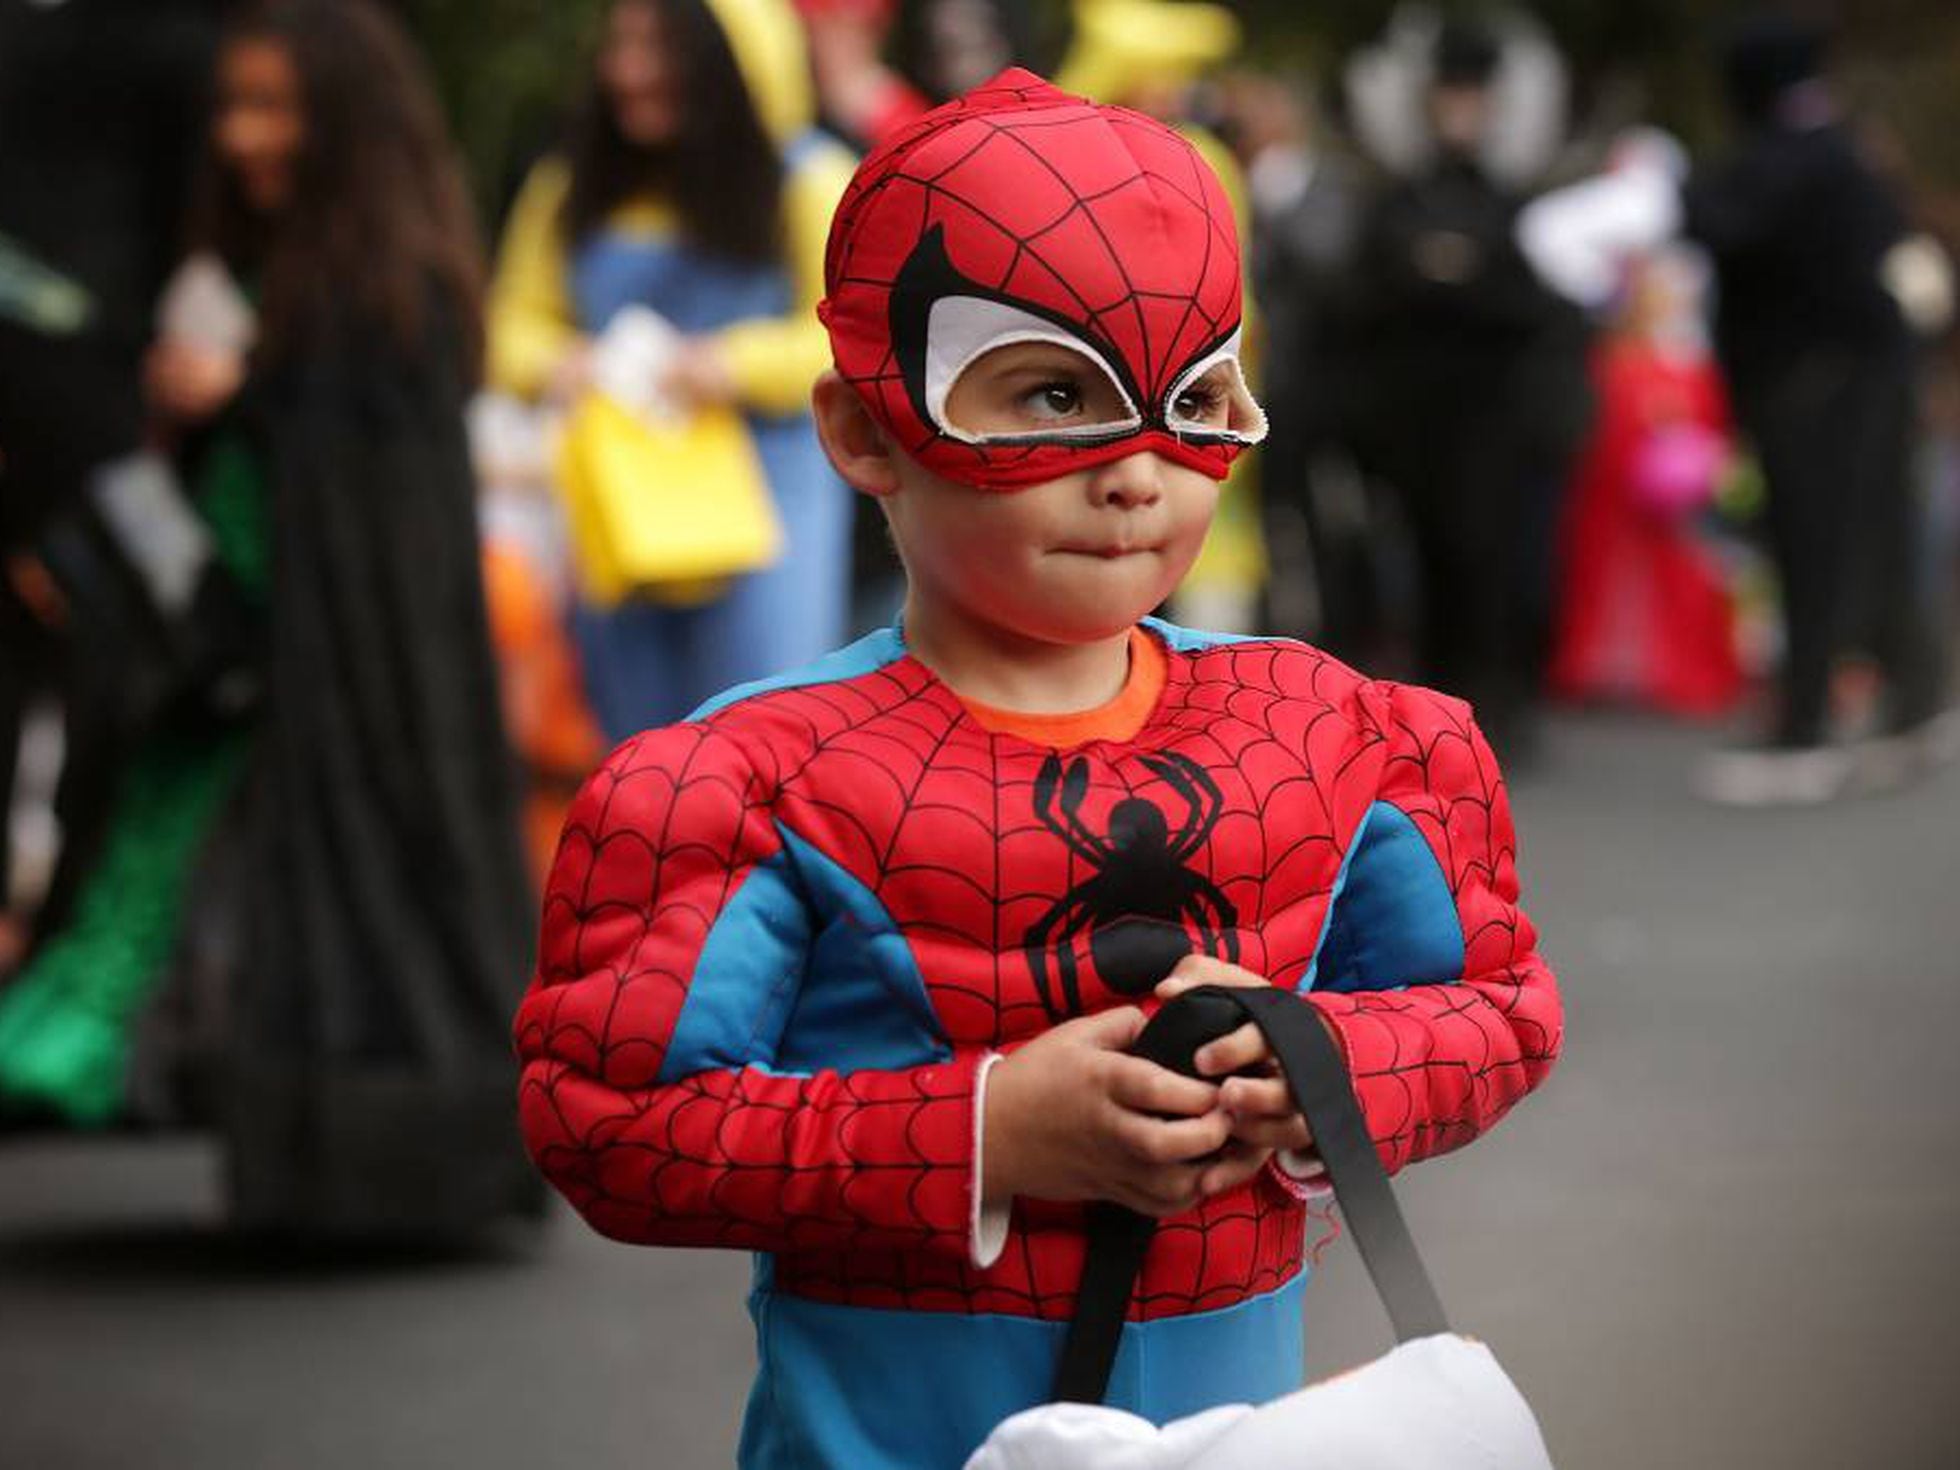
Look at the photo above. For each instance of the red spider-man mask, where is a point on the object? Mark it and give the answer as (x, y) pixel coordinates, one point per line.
(1018, 213)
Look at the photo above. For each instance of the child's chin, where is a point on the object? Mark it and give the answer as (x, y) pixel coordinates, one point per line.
(1095, 622)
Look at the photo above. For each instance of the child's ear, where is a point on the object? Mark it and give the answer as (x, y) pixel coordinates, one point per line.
(859, 449)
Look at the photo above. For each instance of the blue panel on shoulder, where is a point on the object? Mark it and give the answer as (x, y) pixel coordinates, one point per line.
(863, 1002)
(892, 1390)
(1391, 920)
(866, 656)
(746, 977)
(1196, 640)
(804, 971)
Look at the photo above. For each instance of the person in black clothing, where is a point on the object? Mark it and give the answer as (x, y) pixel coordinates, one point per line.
(1306, 206)
(1476, 400)
(1820, 363)
(99, 117)
(347, 930)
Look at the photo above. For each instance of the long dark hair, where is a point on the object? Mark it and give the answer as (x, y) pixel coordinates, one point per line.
(379, 222)
(722, 172)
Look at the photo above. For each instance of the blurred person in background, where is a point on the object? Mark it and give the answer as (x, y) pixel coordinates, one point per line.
(1475, 399)
(324, 856)
(1306, 205)
(881, 64)
(1643, 612)
(693, 184)
(526, 591)
(1821, 365)
(100, 113)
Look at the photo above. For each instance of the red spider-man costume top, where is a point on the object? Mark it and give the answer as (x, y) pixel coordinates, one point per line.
(781, 941)
(1021, 213)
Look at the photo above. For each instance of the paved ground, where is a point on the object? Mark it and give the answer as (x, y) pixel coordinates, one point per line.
(1723, 1236)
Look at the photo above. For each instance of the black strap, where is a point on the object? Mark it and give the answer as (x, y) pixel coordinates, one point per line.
(1318, 1078)
(1118, 1238)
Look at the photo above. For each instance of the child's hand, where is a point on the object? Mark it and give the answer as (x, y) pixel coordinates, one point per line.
(1261, 1107)
(699, 376)
(1071, 1116)
(572, 374)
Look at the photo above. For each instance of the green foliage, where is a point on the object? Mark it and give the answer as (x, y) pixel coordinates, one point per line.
(506, 70)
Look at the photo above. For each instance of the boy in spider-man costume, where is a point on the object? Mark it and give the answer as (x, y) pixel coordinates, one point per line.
(842, 970)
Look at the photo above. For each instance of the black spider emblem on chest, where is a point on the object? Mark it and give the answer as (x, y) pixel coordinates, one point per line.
(1141, 906)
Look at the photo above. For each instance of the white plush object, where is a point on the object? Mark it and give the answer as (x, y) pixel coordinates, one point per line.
(1580, 238)
(629, 358)
(203, 305)
(1091, 1437)
(1437, 1403)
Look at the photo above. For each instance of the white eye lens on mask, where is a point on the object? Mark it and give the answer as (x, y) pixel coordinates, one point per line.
(961, 330)
(1217, 374)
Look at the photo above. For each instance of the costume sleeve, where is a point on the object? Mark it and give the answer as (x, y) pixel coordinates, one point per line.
(775, 360)
(646, 1040)
(1429, 972)
(529, 315)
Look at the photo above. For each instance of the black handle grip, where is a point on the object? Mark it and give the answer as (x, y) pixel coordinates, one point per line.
(1173, 1036)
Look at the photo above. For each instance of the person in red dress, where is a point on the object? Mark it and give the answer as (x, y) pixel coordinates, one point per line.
(1644, 612)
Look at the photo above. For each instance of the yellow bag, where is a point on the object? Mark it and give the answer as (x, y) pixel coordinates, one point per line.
(667, 512)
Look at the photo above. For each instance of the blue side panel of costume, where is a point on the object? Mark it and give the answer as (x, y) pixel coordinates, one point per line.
(866, 656)
(1392, 920)
(1197, 640)
(804, 971)
(863, 1002)
(755, 954)
(941, 1381)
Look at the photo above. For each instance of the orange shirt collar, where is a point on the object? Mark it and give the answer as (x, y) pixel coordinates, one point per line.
(1120, 719)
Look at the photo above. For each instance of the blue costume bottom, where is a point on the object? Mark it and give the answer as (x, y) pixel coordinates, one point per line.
(854, 1388)
(649, 664)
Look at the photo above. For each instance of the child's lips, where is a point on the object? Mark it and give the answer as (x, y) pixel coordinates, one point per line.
(1110, 550)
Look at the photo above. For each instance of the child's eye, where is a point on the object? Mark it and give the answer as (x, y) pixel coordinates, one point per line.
(1059, 399)
(1202, 403)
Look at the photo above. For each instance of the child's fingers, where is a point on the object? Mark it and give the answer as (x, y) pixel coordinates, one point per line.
(1204, 969)
(1232, 1052)
(1162, 1192)
(1256, 1097)
(1240, 1163)
(1145, 1087)
(1170, 1140)
(1263, 1114)
(1272, 1133)
(1112, 1030)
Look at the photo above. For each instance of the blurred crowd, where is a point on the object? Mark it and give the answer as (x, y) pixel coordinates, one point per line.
(337, 548)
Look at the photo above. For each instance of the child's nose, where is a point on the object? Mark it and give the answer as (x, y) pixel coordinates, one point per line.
(1133, 481)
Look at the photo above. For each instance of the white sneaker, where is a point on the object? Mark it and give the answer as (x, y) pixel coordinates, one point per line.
(1757, 776)
(1939, 739)
(1891, 762)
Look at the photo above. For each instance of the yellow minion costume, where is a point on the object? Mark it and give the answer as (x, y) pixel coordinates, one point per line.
(647, 663)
